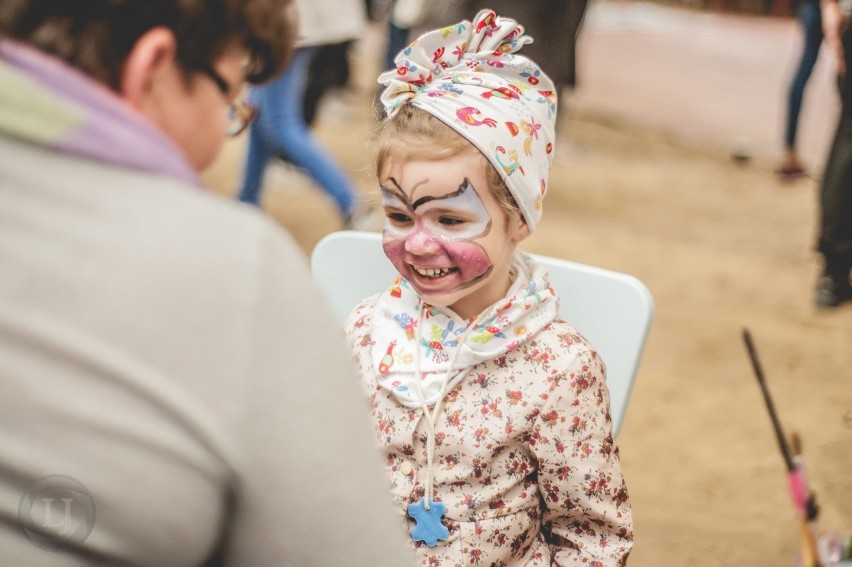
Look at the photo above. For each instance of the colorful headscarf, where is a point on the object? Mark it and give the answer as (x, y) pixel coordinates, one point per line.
(469, 76)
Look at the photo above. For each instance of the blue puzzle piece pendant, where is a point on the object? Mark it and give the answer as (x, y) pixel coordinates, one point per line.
(429, 528)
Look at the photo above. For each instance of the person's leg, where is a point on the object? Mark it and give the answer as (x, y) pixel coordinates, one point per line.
(811, 23)
(257, 155)
(835, 240)
(835, 201)
(397, 41)
(835, 237)
(328, 71)
(285, 133)
(576, 13)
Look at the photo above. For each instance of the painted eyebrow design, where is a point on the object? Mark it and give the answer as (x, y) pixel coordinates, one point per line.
(462, 188)
(396, 191)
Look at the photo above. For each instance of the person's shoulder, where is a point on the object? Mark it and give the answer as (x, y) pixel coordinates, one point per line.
(565, 365)
(202, 209)
(561, 333)
(206, 227)
(184, 238)
(563, 346)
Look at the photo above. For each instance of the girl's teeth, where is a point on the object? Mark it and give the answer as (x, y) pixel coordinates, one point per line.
(432, 272)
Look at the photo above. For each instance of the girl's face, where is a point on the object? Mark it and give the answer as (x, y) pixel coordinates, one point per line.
(446, 233)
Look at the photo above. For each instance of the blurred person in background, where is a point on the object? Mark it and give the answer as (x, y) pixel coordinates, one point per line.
(555, 25)
(172, 391)
(281, 129)
(810, 21)
(835, 203)
(329, 72)
(407, 18)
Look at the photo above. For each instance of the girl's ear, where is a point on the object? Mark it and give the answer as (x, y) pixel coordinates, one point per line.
(520, 230)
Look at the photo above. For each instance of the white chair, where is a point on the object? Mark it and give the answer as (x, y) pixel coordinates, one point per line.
(611, 309)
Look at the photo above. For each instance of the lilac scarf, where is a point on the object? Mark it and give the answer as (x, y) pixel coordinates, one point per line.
(46, 102)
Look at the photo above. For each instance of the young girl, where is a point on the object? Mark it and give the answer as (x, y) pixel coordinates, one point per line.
(492, 412)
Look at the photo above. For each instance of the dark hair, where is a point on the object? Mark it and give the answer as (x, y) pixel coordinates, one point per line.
(96, 36)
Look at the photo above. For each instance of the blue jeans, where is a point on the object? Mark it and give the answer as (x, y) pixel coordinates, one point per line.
(810, 19)
(281, 131)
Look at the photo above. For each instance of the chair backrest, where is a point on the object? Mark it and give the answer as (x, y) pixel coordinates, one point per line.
(612, 310)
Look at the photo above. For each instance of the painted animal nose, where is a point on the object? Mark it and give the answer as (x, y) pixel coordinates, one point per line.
(422, 242)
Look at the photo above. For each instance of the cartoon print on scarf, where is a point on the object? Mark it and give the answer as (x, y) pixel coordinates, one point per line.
(529, 305)
(440, 338)
(492, 328)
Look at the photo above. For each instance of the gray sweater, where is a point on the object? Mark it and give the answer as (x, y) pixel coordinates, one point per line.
(167, 350)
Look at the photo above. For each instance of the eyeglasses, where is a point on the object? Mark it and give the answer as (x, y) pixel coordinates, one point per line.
(241, 113)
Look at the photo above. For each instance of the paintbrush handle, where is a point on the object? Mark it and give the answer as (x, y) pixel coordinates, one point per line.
(810, 554)
(776, 423)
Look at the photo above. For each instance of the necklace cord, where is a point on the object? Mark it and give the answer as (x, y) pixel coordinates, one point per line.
(432, 416)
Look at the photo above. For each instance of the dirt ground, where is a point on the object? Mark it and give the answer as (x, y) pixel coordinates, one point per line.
(721, 247)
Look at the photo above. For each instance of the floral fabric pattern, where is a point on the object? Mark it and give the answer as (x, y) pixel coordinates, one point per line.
(525, 461)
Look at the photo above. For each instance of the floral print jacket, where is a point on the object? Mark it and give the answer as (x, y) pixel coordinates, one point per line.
(525, 461)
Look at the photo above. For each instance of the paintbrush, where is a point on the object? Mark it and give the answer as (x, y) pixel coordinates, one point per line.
(803, 499)
(809, 508)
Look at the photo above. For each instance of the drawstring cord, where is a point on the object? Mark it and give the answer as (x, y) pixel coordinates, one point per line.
(432, 417)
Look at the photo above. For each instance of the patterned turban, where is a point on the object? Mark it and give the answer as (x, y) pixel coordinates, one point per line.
(469, 76)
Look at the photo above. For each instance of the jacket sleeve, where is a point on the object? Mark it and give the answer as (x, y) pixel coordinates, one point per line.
(310, 490)
(587, 518)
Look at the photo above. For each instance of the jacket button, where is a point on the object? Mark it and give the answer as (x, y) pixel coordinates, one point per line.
(406, 468)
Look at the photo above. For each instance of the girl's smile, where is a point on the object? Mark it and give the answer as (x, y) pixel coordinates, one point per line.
(434, 273)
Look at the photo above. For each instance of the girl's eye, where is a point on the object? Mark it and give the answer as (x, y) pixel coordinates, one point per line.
(399, 218)
(450, 221)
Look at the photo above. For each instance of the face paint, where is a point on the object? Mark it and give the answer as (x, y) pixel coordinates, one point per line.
(441, 234)
(465, 201)
(430, 241)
